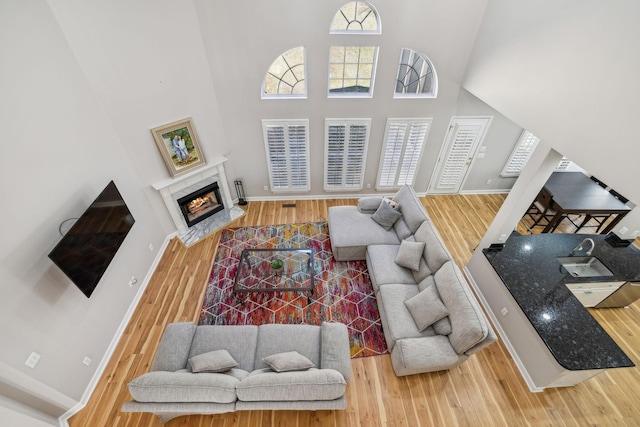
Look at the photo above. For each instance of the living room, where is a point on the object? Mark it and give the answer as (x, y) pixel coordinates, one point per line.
(88, 82)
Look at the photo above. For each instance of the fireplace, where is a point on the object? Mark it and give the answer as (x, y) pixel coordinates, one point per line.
(201, 204)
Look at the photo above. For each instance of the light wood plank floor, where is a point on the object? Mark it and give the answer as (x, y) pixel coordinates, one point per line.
(487, 390)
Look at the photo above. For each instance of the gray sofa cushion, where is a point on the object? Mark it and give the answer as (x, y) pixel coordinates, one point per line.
(273, 339)
(369, 204)
(173, 350)
(467, 321)
(402, 229)
(312, 384)
(397, 322)
(239, 341)
(351, 231)
(382, 269)
(184, 386)
(412, 209)
(386, 216)
(434, 252)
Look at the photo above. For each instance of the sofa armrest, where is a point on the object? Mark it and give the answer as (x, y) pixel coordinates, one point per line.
(425, 354)
(369, 204)
(335, 352)
(173, 351)
(490, 339)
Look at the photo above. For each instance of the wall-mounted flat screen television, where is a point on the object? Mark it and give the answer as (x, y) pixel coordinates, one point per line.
(85, 251)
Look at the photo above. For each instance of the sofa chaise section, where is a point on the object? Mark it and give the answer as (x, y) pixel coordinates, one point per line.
(414, 278)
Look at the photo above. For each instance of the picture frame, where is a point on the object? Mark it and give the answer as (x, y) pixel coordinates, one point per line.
(179, 146)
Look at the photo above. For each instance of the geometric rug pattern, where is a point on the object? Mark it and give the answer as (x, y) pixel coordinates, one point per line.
(342, 292)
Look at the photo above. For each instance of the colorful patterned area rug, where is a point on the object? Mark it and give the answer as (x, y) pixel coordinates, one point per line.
(342, 293)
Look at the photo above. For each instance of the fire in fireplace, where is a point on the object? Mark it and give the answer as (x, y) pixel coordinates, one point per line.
(200, 204)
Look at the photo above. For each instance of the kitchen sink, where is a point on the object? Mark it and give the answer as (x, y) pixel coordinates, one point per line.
(584, 266)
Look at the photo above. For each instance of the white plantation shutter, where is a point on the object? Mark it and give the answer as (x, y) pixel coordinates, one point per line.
(563, 164)
(287, 149)
(403, 145)
(345, 153)
(521, 154)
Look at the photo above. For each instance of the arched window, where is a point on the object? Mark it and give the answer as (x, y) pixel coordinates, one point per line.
(356, 17)
(286, 76)
(416, 76)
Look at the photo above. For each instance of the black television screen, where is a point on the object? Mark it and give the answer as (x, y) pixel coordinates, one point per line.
(85, 251)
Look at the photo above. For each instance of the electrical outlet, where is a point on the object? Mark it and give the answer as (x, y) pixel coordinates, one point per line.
(86, 361)
(151, 247)
(266, 188)
(488, 182)
(623, 230)
(133, 281)
(502, 238)
(368, 185)
(33, 360)
(504, 311)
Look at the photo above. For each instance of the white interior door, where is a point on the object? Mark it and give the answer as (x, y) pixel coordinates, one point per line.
(457, 152)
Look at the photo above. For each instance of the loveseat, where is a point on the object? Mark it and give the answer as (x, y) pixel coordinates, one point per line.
(430, 318)
(210, 369)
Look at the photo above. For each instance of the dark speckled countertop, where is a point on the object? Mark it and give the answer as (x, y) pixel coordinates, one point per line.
(529, 269)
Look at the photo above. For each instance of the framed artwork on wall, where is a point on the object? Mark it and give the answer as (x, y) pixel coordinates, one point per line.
(179, 146)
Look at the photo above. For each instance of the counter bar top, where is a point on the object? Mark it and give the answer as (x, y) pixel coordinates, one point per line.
(528, 267)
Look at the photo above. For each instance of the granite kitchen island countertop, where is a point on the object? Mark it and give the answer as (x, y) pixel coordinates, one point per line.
(529, 269)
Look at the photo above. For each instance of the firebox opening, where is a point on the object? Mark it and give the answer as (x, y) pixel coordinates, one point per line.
(201, 204)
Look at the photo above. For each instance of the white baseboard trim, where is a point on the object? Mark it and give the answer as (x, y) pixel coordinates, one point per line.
(63, 420)
(497, 191)
(523, 371)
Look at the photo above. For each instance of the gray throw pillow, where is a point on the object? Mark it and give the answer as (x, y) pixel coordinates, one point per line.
(386, 216)
(410, 254)
(213, 361)
(289, 361)
(426, 308)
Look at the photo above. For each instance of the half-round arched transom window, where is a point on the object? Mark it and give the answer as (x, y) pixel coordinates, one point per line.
(356, 17)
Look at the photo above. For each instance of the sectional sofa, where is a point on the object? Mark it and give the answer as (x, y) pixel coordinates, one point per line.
(210, 369)
(430, 318)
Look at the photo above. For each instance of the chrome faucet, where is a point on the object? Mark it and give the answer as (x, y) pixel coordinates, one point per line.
(580, 247)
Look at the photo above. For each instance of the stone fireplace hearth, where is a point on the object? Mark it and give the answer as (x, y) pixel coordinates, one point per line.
(174, 190)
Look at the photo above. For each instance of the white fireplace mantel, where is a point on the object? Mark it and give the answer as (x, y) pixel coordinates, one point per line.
(170, 186)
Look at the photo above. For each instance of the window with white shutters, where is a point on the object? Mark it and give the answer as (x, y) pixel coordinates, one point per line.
(520, 155)
(287, 148)
(404, 141)
(346, 143)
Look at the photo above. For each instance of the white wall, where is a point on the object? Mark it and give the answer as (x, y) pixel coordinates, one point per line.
(146, 65)
(242, 42)
(567, 72)
(499, 141)
(60, 150)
